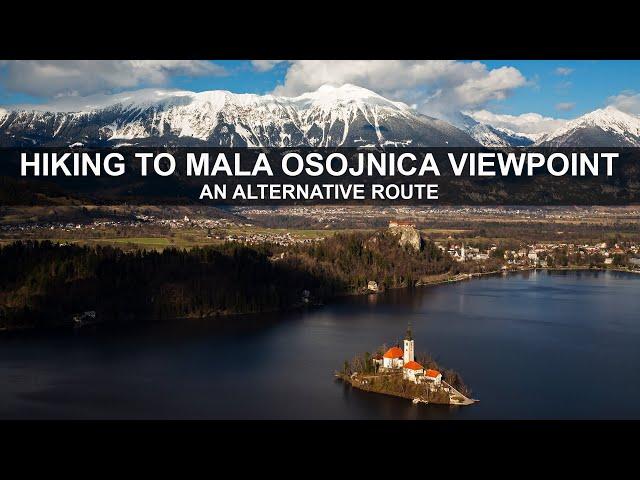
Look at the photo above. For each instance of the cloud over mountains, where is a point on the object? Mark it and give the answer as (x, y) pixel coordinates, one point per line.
(57, 78)
(528, 123)
(437, 88)
(433, 87)
(627, 101)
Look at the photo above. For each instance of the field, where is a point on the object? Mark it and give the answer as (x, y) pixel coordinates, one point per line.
(121, 226)
(149, 238)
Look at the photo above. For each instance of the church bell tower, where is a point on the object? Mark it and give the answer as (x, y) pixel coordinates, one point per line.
(408, 346)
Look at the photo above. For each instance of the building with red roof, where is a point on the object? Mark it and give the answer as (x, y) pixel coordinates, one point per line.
(433, 376)
(412, 371)
(393, 352)
(413, 366)
(396, 358)
(392, 358)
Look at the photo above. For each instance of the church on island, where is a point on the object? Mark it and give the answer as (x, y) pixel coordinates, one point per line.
(397, 359)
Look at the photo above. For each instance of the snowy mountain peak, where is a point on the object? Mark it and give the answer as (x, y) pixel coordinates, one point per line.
(608, 118)
(603, 127)
(330, 96)
(346, 92)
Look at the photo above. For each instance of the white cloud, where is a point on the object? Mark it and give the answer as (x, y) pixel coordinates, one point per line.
(436, 87)
(74, 103)
(51, 78)
(563, 71)
(531, 123)
(565, 106)
(628, 102)
(265, 65)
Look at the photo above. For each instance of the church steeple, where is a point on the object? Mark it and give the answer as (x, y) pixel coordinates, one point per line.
(408, 346)
(409, 332)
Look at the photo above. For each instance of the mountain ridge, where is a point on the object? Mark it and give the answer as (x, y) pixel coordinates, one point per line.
(329, 117)
(604, 127)
(490, 136)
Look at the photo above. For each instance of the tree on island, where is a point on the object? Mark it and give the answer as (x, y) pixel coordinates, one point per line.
(346, 368)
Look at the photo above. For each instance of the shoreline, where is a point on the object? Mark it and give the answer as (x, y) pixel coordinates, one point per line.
(593, 269)
(468, 276)
(441, 281)
(451, 392)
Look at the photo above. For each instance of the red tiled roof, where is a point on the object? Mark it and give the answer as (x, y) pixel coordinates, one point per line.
(432, 373)
(393, 352)
(413, 366)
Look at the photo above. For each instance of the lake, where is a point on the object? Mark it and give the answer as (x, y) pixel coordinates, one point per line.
(535, 345)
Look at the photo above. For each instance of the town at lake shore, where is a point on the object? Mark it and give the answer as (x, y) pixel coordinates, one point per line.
(120, 264)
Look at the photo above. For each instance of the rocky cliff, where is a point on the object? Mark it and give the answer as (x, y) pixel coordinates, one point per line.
(408, 235)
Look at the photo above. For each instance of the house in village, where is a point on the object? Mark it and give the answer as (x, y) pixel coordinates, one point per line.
(396, 358)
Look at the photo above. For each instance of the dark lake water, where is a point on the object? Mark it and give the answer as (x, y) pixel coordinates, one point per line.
(537, 345)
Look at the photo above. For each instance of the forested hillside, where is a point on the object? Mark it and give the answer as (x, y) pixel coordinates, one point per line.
(42, 283)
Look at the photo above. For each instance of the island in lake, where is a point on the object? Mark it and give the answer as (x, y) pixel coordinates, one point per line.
(394, 371)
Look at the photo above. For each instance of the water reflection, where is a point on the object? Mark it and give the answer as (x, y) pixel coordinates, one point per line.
(529, 345)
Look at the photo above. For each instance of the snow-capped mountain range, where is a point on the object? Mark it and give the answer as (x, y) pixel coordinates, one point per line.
(329, 117)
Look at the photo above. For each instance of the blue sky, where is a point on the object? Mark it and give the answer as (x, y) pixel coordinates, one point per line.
(588, 85)
(557, 89)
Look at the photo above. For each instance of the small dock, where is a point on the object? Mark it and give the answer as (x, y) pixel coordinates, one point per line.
(457, 398)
